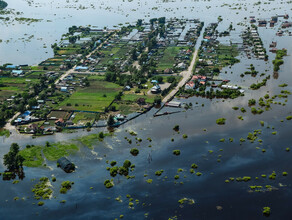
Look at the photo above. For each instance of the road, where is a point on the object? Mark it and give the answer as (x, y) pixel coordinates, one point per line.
(8, 125)
(186, 76)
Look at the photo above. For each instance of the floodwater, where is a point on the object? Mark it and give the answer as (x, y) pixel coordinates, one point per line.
(214, 199)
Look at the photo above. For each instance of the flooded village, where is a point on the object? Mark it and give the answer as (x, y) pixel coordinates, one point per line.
(145, 110)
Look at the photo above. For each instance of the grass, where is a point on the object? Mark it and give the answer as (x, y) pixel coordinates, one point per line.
(12, 85)
(89, 140)
(33, 156)
(127, 107)
(67, 51)
(59, 150)
(96, 97)
(220, 121)
(134, 97)
(83, 117)
(4, 132)
(168, 58)
(59, 114)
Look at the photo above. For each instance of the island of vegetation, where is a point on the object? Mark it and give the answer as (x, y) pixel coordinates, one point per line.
(3, 4)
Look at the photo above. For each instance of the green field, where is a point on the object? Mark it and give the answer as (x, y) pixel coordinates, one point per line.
(168, 58)
(33, 156)
(134, 97)
(67, 51)
(59, 150)
(93, 98)
(12, 85)
(83, 117)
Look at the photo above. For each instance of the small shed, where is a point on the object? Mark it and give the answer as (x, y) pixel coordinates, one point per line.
(66, 165)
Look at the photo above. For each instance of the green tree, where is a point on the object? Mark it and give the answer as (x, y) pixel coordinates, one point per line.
(110, 121)
(13, 160)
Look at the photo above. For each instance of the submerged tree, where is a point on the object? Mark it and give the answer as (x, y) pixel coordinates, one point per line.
(13, 160)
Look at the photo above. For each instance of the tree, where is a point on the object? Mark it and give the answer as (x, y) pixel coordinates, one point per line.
(161, 20)
(134, 54)
(110, 121)
(139, 22)
(72, 39)
(13, 160)
(157, 100)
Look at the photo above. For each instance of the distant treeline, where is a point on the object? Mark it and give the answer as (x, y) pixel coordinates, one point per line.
(3, 4)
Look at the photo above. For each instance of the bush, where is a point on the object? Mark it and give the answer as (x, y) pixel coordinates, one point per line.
(266, 211)
(158, 172)
(127, 164)
(157, 100)
(41, 203)
(194, 166)
(108, 184)
(176, 128)
(289, 117)
(220, 121)
(176, 152)
(134, 151)
(251, 102)
(113, 163)
(113, 171)
(101, 135)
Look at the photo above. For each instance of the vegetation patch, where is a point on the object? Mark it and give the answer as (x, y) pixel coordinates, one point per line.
(4, 132)
(32, 156)
(134, 151)
(220, 121)
(176, 152)
(42, 189)
(65, 186)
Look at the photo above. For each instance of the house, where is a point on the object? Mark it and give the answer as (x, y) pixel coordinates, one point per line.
(273, 50)
(41, 101)
(69, 122)
(141, 101)
(59, 122)
(190, 85)
(182, 66)
(154, 81)
(11, 67)
(64, 89)
(273, 44)
(119, 117)
(168, 71)
(229, 87)
(155, 89)
(262, 22)
(65, 165)
(80, 68)
(33, 128)
(173, 104)
(127, 88)
(17, 72)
